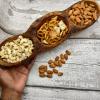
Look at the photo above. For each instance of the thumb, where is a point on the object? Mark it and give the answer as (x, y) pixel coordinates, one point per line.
(1, 71)
(30, 66)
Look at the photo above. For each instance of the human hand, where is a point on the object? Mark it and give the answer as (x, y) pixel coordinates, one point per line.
(13, 81)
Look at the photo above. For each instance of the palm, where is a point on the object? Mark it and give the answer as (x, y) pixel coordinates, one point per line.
(14, 78)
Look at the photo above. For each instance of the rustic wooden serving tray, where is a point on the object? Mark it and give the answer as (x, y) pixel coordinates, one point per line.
(32, 33)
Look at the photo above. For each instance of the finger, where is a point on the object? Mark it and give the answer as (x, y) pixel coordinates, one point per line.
(0, 75)
(1, 70)
(22, 69)
(30, 65)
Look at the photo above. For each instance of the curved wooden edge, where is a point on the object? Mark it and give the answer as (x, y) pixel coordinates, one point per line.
(71, 26)
(77, 28)
(37, 24)
(32, 34)
(23, 62)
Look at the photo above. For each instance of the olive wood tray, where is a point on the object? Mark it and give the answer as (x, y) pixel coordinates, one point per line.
(39, 47)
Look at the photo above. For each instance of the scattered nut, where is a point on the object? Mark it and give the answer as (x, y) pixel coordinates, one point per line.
(41, 71)
(66, 56)
(50, 61)
(61, 56)
(57, 58)
(59, 63)
(56, 63)
(55, 71)
(52, 65)
(60, 73)
(68, 52)
(43, 68)
(62, 61)
(42, 75)
(49, 75)
(49, 72)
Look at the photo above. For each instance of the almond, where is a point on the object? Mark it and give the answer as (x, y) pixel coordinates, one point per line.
(42, 75)
(50, 61)
(72, 17)
(60, 73)
(95, 15)
(55, 71)
(49, 75)
(70, 12)
(43, 67)
(88, 22)
(49, 72)
(59, 63)
(62, 61)
(76, 12)
(57, 58)
(78, 19)
(92, 5)
(66, 56)
(89, 13)
(83, 11)
(41, 71)
(56, 63)
(52, 65)
(61, 56)
(68, 52)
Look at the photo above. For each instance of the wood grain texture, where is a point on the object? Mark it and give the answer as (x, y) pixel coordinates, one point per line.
(82, 70)
(59, 94)
(16, 18)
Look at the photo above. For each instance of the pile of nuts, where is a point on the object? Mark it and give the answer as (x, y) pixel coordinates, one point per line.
(83, 13)
(53, 64)
(16, 50)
